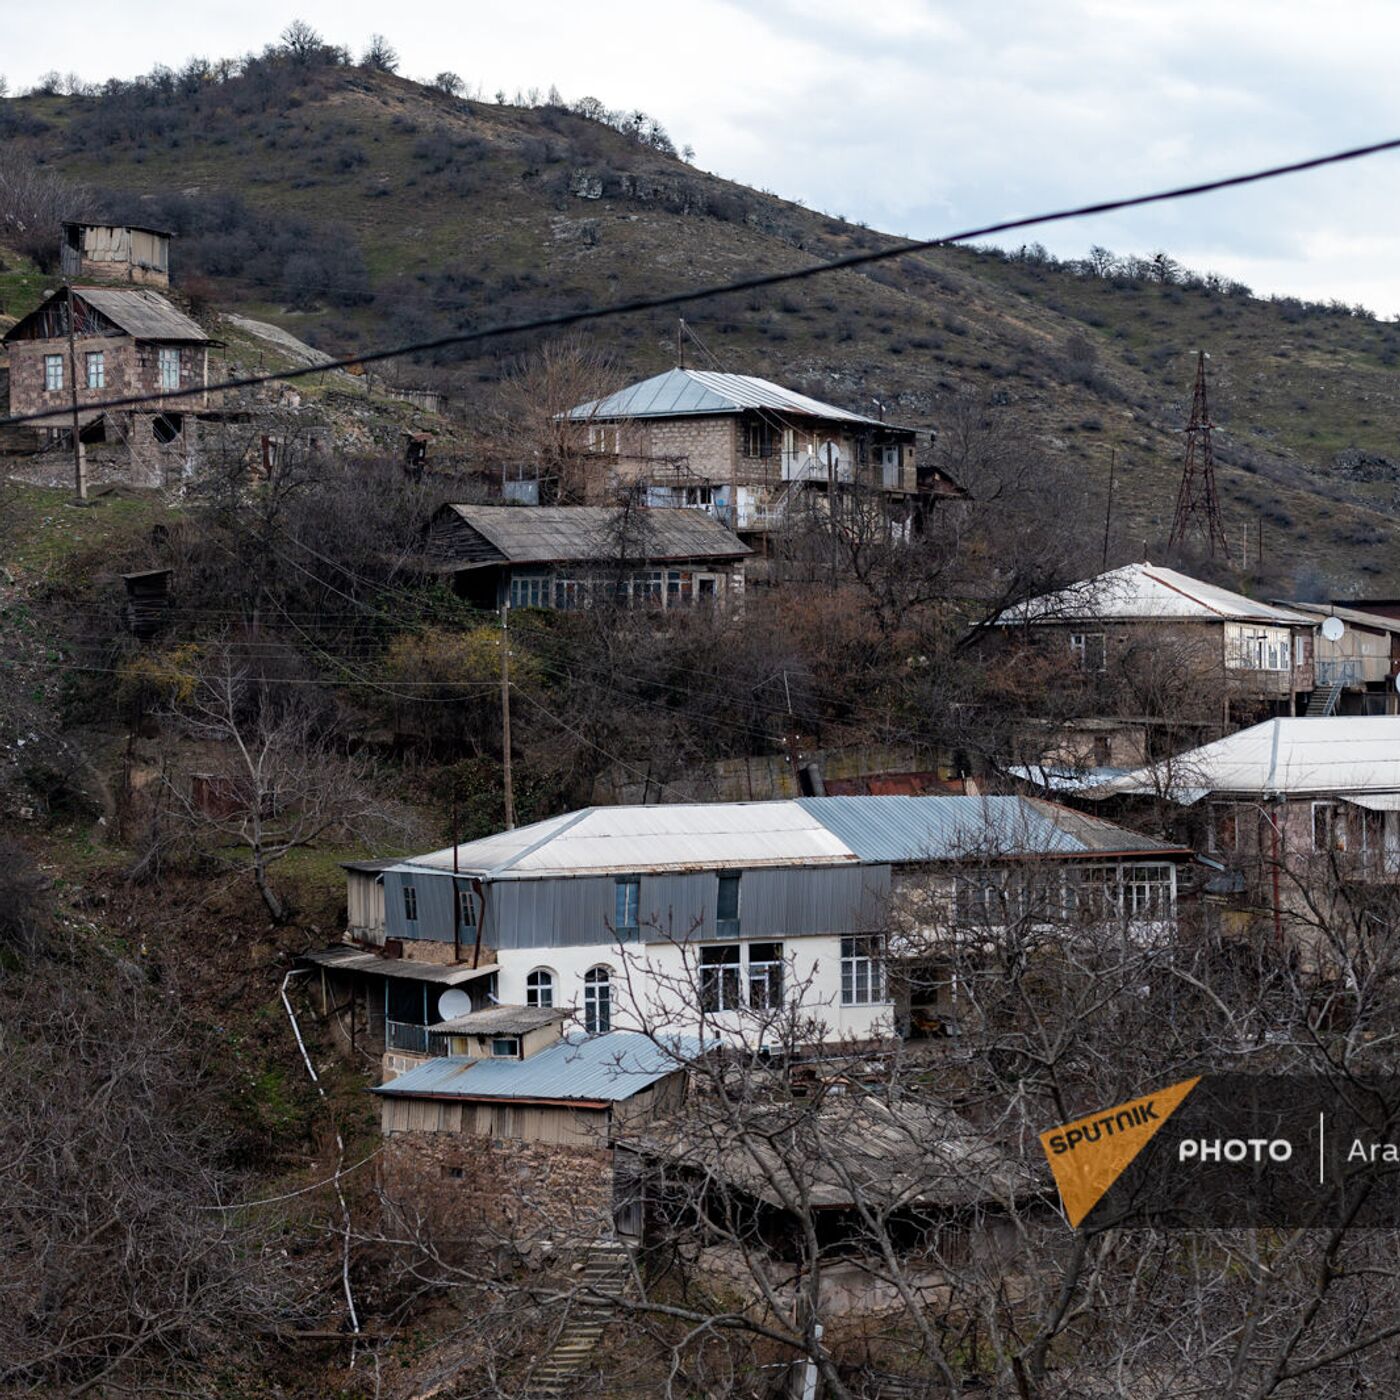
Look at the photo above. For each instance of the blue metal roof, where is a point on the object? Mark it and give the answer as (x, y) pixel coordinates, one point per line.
(608, 1068)
(902, 829)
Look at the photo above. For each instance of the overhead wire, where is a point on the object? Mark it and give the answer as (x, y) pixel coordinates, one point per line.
(846, 262)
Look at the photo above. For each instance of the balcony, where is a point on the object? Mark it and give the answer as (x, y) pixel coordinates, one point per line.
(402, 1035)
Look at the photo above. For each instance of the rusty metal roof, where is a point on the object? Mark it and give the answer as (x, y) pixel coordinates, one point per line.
(587, 534)
(683, 393)
(141, 313)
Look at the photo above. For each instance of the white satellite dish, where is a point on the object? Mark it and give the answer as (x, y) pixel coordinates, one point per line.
(1397, 682)
(1333, 628)
(454, 1002)
(829, 454)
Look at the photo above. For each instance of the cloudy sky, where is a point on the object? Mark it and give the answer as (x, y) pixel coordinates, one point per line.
(915, 116)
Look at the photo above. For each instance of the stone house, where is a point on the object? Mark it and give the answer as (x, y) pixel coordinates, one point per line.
(1244, 659)
(124, 341)
(522, 1120)
(115, 253)
(750, 452)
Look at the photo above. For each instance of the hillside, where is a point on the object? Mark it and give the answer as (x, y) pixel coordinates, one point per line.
(355, 208)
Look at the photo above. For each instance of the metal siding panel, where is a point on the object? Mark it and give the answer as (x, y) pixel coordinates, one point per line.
(551, 913)
(436, 915)
(674, 903)
(791, 903)
(395, 925)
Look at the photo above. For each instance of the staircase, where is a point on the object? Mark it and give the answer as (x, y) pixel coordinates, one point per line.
(605, 1270)
(1323, 701)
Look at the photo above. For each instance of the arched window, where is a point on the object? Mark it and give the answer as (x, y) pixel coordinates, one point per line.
(597, 1000)
(539, 988)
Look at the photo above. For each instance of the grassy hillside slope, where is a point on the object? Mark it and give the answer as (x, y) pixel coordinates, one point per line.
(356, 208)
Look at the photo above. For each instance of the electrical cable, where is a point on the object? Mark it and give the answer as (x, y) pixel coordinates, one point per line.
(743, 284)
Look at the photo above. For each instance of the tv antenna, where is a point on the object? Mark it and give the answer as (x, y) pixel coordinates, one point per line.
(1197, 505)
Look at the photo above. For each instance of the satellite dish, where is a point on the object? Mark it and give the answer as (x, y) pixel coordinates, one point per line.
(1397, 682)
(1333, 628)
(454, 1002)
(829, 454)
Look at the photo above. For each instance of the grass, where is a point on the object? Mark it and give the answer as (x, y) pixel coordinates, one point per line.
(46, 528)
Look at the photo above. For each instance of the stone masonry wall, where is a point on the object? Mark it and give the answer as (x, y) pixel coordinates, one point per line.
(526, 1191)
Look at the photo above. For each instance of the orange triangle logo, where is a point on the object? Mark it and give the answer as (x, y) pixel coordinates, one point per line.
(1088, 1155)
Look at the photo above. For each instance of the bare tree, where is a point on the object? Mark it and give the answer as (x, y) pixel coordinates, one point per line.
(380, 55)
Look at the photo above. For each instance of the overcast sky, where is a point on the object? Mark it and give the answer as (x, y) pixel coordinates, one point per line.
(916, 116)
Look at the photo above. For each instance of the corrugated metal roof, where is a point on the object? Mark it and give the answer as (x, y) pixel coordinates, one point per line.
(673, 836)
(567, 534)
(1342, 754)
(808, 831)
(1149, 592)
(910, 829)
(599, 1068)
(682, 393)
(502, 1020)
(1358, 617)
(356, 960)
(141, 313)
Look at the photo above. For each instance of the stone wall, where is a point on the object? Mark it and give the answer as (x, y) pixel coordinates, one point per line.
(528, 1191)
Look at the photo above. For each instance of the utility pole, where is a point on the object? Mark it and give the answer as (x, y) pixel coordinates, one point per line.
(1108, 511)
(79, 457)
(505, 717)
(831, 505)
(1197, 506)
(680, 342)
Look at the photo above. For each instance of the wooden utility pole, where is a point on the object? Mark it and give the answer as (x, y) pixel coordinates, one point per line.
(1108, 512)
(505, 717)
(79, 458)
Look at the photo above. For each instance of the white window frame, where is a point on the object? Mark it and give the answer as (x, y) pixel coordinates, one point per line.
(627, 908)
(603, 438)
(505, 1047)
(539, 987)
(863, 969)
(531, 591)
(53, 373)
(1253, 647)
(721, 967)
(763, 978)
(1081, 649)
(597, 1000)
(167, 368)
(96, 363)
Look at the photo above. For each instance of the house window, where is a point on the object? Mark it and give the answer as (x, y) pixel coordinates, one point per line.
(1257, 648)
(705, 585)
(727, 905)
(765, 976)
(1087, 648)
(466, 910)
(53, 372)
(96, 369)
(410, 904)
(1091, 893)
(719, 977)
(680, 588)
(539, 988)
(1329, 827)
(646, 589)
(506, 1047)
(1147, 892)
(1300, 656)
(1222, 833)
(862, 970)
(597, 1000)
(977, 899)
(530, 591)
(602, 437)
(758, 440)
(627, 902)
(168, 367)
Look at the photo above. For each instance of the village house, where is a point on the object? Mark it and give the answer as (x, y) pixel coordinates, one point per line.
(86, 343)
(569, 557)
(729, 920)
(1245, 660)
(751, 453)
(1290, 810)
(511, 1099)
(1357, 660)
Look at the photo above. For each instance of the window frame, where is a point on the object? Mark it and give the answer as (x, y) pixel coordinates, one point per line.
(95, 360)
(166, 357)
(1082, 646)
(766, 973)
(511, 1050)
(410, 903)
(540, 983)
(627, 930)
(53, 374)
(597, 999)
(721, 968)
(863, 980)
(728, 925)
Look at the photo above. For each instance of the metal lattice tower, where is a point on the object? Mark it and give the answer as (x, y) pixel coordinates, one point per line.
(1197, 505)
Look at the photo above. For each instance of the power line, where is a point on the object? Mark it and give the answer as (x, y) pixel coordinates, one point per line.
(743, 284)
